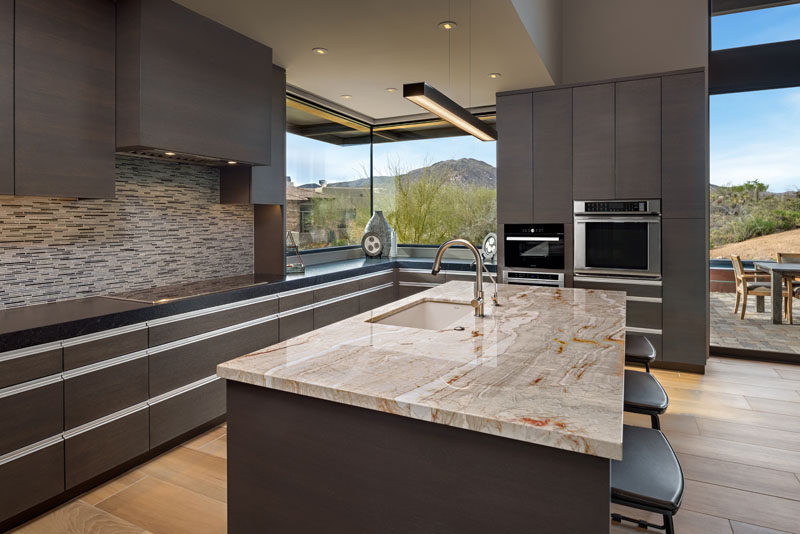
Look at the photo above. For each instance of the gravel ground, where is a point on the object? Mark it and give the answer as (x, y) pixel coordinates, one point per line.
(761, 248)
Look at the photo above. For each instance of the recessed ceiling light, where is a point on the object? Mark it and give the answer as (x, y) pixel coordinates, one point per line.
(320, 51)
(447, 25)
(391, 89)
(169, 153)
(347, 97)
(494, 75)
(231, 162)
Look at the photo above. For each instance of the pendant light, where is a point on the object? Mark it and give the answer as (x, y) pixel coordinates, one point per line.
(429, 98)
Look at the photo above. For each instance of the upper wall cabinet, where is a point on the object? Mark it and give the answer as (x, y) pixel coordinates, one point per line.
(552, 156)
(6, 97)
(265, 184)
(684, 134)
(515, 158)
(188, 85)
(63, 98)
(638, 139)
(593, 142)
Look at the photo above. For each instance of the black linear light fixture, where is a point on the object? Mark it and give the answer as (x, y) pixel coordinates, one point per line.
(432, 100)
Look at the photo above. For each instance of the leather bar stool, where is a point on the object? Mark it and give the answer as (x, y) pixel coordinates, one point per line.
(649, 477)
(638, 349)
(643, 392)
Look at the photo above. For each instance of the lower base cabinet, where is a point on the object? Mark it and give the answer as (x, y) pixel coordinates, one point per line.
(374, 299)
(31, 478)
(407, 291)
(192, 407)
(89, 452)
(335, 311)
(295, 324)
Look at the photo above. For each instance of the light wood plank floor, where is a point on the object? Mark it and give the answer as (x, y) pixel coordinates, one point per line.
(736, 431)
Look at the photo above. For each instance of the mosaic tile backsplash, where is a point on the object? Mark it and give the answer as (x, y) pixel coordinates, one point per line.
(165, 226)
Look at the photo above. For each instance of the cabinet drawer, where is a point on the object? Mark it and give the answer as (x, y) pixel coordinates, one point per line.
(93, 348)
(465, 277)
(296, 323)
(187, 325)
(30, 477)
(643, 314)
(407, 291)
(31, 412)
(91, 394)
(655, 339)
(335, 311)
(338, 290)
(373, 299)
(30, 363)
(176, 364)
(419, 276)
(92, 450)
(296, 300)
(376, 280)
(186, 409)
(637, 288)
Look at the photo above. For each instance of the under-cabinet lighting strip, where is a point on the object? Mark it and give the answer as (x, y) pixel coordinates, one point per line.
(27, 351)
(72, 373)
(105, 420)
(183, 389)
(27, 386)
(30, 449)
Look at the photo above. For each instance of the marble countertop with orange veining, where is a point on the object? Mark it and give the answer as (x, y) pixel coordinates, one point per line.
(546, 366)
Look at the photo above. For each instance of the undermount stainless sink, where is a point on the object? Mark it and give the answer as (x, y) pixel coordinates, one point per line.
(428, 314)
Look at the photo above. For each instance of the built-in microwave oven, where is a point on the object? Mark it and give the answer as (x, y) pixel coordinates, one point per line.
(537, 246)
(618, 238)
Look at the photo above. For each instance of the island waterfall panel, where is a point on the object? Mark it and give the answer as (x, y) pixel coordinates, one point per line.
(304, 465)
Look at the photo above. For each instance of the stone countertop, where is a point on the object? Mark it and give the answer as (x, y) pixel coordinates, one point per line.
(546, 366)
(45, 323)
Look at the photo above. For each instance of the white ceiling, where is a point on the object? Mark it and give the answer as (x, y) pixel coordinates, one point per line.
(375, 44)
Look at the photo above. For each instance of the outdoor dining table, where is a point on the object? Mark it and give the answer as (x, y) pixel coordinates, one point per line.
(777, 272)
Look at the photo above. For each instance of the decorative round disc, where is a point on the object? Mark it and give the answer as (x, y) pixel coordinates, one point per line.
(372, 244)
(489, 247)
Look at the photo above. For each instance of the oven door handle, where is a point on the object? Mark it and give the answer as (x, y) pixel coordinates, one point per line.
(648, 220)
(515, 238)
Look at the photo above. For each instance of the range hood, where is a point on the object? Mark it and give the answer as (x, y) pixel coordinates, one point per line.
(190, 89)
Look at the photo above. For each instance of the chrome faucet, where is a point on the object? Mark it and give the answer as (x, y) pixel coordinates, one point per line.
(477, 301)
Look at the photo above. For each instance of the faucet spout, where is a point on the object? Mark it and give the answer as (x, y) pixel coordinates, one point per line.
(477, 301)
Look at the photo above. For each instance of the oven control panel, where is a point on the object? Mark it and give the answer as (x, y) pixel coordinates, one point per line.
(534, 279)
(618, 206)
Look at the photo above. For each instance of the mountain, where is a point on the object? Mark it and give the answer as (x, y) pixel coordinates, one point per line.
(464, 171)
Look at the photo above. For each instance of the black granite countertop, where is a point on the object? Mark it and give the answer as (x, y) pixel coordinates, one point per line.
(45, 323)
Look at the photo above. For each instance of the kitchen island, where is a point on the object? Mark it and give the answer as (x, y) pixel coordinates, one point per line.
(505, 423)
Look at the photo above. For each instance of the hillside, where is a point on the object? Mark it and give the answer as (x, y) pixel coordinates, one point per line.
(761, 248)
(464, 171)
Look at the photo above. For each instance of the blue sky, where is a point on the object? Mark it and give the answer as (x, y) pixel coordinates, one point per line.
(756, 135)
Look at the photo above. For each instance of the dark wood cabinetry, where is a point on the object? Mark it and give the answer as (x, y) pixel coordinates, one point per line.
(31, 412)
(64, 98)
(95, 394)
(187, 410)
(6, 97)
(552, 156)
(593, 142)
(638, 139)
(31, 478)
(264, 184)
(96, 450)
(684, 135)
(685, 271)
(515, 158)
(94, 348)
(30, 363)
(187, 84)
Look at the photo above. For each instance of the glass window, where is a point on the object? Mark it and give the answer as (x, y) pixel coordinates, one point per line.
(434, 184)
(327, 168)
(755, 173)
(759, 26)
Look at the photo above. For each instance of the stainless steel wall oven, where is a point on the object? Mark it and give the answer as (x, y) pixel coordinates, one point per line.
(618, 238)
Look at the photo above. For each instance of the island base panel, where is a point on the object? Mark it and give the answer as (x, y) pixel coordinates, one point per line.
(304, 465)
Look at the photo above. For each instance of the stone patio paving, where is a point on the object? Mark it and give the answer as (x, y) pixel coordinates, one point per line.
(756, 331)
